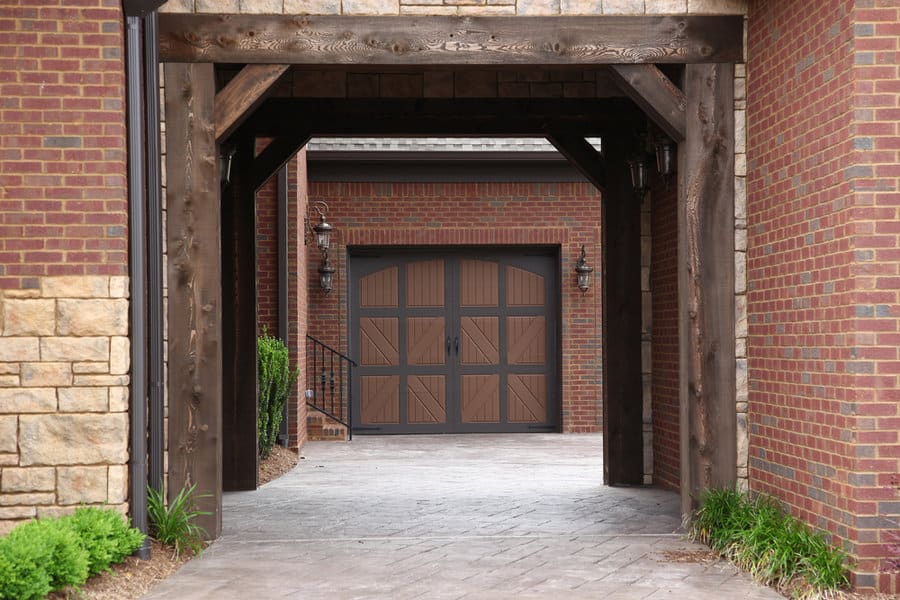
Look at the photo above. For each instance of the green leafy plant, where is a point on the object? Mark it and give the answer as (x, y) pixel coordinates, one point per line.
(275, 382)
(106, 537)
(774, 547)
(174, 524)
(39, 557)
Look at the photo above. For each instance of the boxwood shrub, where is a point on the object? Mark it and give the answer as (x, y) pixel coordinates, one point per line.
(40, 557)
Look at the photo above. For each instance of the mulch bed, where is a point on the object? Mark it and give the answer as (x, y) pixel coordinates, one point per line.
(131, 579)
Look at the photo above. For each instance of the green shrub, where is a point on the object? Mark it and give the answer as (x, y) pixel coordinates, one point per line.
(774, 547)
(105, 535)
(174, 525)
(52, 554)
(275, 382)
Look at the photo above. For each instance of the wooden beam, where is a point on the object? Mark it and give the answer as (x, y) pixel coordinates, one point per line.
(244, 93)
(706, 284)
(437, 40)
(621, 321)
(195, 297)
(655, 93)
(276, 155)
(440, 116)
(582, 155)
(240, 462)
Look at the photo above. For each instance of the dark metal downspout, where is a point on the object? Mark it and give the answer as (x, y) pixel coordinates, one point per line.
(137, 260)
(154, 252)
(283, 330)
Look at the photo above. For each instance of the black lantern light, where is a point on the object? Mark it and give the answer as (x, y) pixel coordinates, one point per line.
(665, 159)
(583, 270)
(640, 176)
(323, 228)
(326, 274)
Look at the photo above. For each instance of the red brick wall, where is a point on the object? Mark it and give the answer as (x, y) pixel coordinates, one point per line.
(664, 287)
(384, 214)
(822, 271)
(267, 257)
(62, 141)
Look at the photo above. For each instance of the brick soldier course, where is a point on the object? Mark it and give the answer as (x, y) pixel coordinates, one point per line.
(815, 247)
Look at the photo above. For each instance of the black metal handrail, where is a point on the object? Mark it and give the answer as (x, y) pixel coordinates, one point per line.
(328, 374)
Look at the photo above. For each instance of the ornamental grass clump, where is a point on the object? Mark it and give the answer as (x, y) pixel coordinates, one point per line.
(275, 382)
(774, 547)
(174, 525)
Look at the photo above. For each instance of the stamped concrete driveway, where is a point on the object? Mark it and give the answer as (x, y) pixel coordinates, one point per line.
(475, 516)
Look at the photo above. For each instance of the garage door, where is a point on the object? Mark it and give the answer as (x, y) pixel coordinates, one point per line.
(455, 342)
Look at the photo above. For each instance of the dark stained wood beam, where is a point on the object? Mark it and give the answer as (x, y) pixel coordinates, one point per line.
(241, 95)
(437, 40)
(706, 284)
(195, 296)
(277, 153)
(655, 93)
(240, 456)
(582, 155)
(440, 116)
(620, 228)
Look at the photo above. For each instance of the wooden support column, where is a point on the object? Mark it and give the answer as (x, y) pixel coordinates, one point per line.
(623, 450)
(239, 319)
(195, 295)
(706, 284)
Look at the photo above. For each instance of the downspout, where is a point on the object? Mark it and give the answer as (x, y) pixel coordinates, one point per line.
(154, 253)
(136, 266)
(282, 183)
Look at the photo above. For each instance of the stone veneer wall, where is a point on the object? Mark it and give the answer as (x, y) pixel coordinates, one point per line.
(64, 363)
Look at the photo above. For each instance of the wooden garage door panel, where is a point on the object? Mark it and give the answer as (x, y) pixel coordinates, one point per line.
(478, 283)
(380, 289)
(380, 402)
(379, 340)
(480, 398)
(524, 288)
(425, 341)
(526, 339)
(426, 400)
(425, 283)
(526, 398)
(480, 340)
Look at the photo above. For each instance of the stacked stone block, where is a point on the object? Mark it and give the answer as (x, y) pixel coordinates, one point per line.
(64, 364)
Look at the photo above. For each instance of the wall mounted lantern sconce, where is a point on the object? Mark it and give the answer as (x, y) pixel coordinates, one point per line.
(583, 270)
(665, 159)
(322, 231)
(225, 162)
(326, 274)
(640, 176)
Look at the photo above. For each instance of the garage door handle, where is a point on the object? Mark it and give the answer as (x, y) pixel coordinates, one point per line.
(456, 344)
(448, 345)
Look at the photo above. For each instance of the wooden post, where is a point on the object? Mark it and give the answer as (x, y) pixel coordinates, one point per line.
(622, 380)
(194, 275)
(239, 326)
(706, 284)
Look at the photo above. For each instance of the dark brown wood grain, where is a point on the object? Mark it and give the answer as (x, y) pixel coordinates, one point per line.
(277, 153)
(655, 93)
(706, 284)
(279, 116)
(194, 276)
(436, 40)
(582, 155)
(240, 456)
(241, 95)
(621, 317)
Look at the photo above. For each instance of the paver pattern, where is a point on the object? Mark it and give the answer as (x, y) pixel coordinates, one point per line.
(471, 516)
